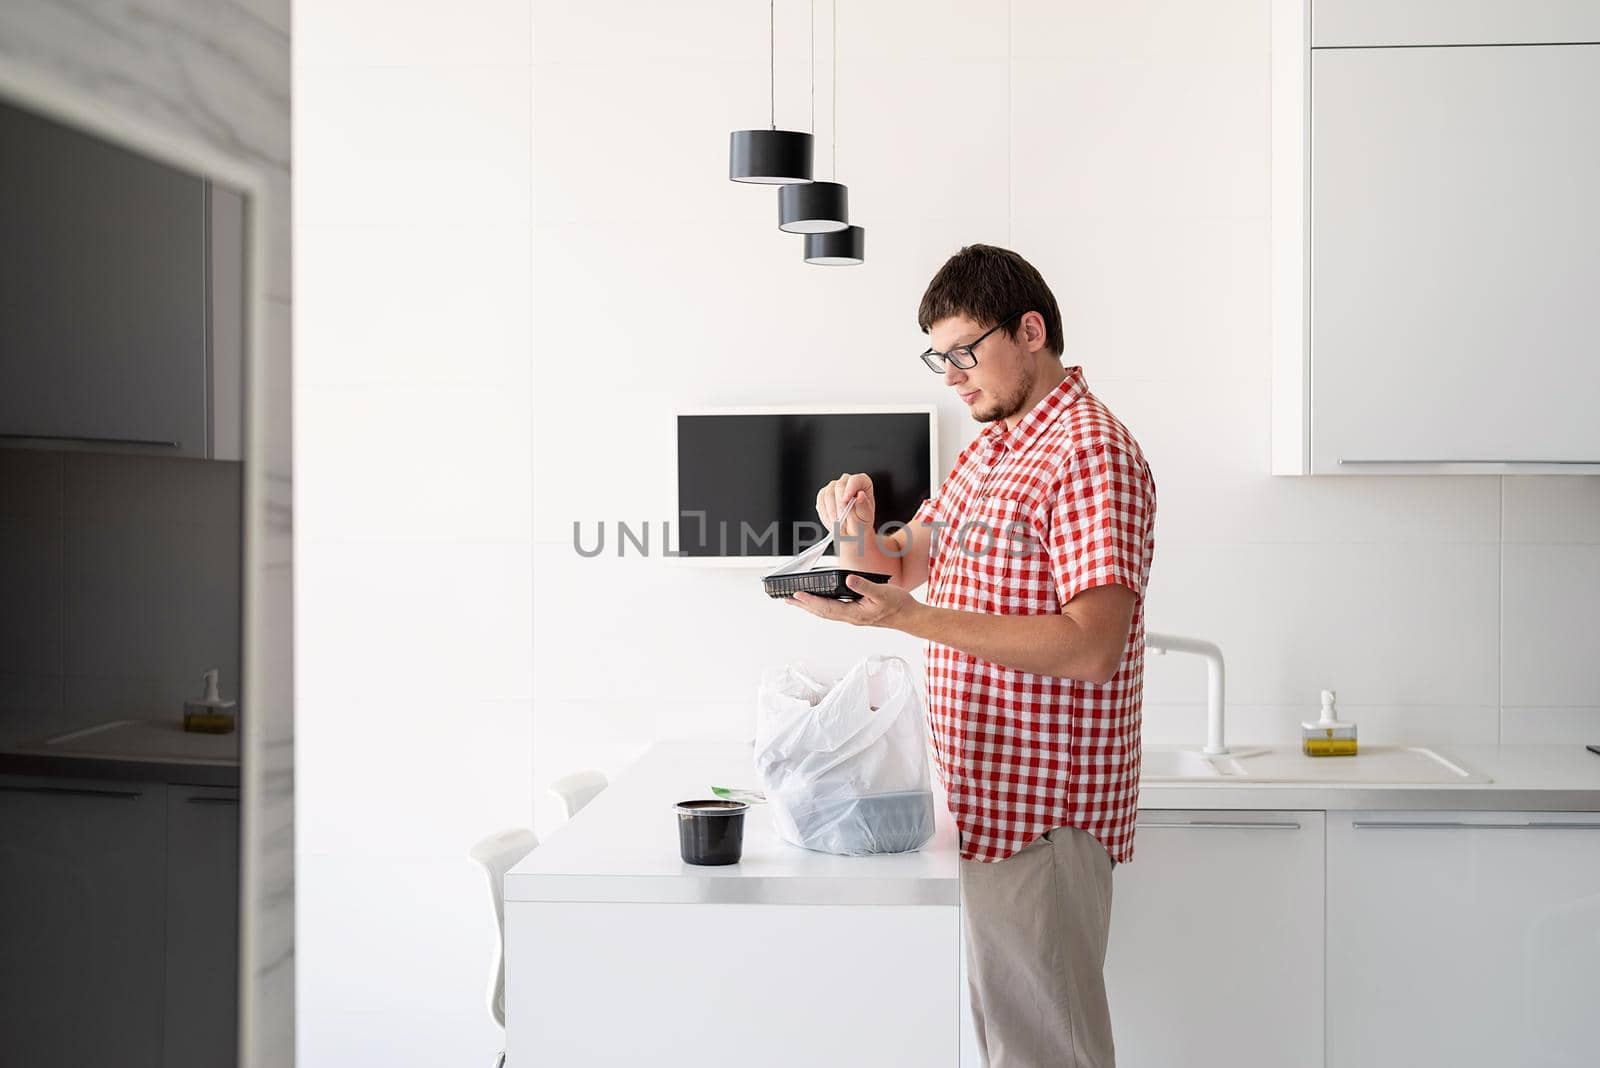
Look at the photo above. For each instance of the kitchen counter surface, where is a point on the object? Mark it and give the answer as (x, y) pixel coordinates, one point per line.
(623, 847)
(129, 750)
(1531, 778)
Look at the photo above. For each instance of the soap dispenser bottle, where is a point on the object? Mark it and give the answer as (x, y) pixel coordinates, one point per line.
(210, 714)
(1328, 736)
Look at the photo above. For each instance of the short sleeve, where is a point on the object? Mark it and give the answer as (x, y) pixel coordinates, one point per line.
(928, 514)
(1100, 522)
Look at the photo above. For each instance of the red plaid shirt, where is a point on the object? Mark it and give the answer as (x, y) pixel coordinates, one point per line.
(1029, 518)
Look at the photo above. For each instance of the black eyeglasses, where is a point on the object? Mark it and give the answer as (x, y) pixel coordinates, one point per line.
(962, 355)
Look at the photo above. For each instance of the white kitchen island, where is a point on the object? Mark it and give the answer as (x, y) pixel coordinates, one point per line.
(1261, 924)
(618, 953)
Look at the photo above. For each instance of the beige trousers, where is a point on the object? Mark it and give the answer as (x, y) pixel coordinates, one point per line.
(1036, 926)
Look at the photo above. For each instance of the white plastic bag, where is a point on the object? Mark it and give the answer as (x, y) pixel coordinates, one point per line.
(845, 766)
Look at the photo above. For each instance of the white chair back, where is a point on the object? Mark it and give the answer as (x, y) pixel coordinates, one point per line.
(578, 789)
(498, 854)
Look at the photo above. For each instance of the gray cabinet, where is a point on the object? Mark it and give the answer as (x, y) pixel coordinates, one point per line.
(120, 293)
(82, 922)
(202, 896)
(119, 930)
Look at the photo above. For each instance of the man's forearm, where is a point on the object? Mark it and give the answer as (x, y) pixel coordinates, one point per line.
(1043, 644)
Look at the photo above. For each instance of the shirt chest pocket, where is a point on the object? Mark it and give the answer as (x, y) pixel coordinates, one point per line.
(999, 565)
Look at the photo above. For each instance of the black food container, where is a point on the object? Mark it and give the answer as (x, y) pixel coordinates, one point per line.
(822, 581)
(711, 831)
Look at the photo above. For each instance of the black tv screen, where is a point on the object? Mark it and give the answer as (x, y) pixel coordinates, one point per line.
(747, 484)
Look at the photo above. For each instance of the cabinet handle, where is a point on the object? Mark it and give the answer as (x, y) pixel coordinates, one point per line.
(212, 800)
(75, 791)
(91, 440)
(1218, 825)
(1458, 825)
(1575, 463)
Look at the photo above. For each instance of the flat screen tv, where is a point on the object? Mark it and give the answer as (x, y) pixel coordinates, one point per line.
(747, 478)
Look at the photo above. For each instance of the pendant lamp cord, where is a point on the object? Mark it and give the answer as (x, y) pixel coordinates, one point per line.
(835, 131)
(813, 68)
(772, 60)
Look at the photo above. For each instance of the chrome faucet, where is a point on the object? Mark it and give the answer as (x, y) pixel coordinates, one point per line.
(1160, 644)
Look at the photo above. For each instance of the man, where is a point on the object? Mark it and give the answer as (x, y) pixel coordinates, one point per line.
(1036, 551)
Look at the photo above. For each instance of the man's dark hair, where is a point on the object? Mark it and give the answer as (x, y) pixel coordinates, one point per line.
(986, 284)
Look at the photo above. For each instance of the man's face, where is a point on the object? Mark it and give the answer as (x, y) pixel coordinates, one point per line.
(1004, 377)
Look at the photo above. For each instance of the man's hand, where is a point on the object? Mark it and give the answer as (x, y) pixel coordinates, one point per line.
(881, 605)
(832, 498)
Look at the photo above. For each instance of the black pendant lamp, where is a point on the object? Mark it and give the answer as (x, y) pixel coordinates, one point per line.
(769, 157)
(813, 208)
(824, 216)
(841, 248)
(772, 156)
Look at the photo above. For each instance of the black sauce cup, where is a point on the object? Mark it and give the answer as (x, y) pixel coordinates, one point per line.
(711, 832)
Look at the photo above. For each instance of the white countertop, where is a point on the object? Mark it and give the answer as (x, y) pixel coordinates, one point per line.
(623, 847)
(1533, 778)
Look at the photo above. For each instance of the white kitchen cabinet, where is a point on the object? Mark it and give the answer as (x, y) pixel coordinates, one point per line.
(1463, 939)
(1436, 240)
(621, 983)
(82, 922)
(1216, 941)
(1398, 23)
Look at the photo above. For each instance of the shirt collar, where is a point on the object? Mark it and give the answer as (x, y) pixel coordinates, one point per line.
(1047, 411)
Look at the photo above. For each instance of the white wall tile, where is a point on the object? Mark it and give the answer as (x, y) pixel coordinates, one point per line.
(649, 149)
(414, 463)
(576, 31)
(931, 33)
(1184, 723)
(413, 746)
(1549, 619)
(1392, 624)
(1552, 509)
(1165, 138)
(402, 621)
(1232, 509)
(413, 33)
(406, 145)
(1192, 430)
(920, 139)
(1551, 726)
(1153, 29)
(415, 305)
